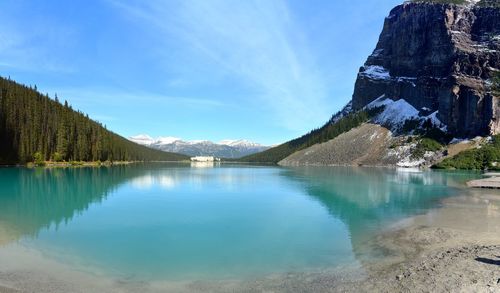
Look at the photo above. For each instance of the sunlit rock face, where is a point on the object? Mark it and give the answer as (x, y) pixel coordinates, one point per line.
(440, 58)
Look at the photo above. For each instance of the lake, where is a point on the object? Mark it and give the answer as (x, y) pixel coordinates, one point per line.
(152, 222)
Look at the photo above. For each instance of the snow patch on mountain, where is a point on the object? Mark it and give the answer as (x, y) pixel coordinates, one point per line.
(375, 72)
(228, 148)
(239, 143)
(166, 140)
(143, 139)
(396, 113)
(193, 142)
(473, 2)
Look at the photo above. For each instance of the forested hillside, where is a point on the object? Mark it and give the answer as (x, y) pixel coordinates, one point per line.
(330, 130)
(33, 123)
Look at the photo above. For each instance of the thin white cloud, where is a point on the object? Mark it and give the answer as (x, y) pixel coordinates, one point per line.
(34, 48)
(256, 41)
(111, 96)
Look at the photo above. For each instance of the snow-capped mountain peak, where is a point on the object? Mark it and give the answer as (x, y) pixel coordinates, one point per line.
(200, 142)
(228, 148)
(239, 143)
(143, 139)
(166, 140)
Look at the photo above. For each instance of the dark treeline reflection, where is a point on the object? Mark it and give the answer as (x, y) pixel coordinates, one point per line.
(229, 201)
(32, 199)
(369, 199)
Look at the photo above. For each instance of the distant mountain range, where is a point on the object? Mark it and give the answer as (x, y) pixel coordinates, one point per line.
(231, 149)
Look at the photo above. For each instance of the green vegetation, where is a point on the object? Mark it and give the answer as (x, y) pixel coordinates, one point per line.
(38, 159)
(429, 144)
(329, 131)
(33, 126)
(482, 158)
(57, 157)
(429, 137)
(426, 145)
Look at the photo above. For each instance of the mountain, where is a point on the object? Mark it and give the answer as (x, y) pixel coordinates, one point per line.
(33, 123)
(439, 58)
(224, 149)
(433, 76)
(339, 123)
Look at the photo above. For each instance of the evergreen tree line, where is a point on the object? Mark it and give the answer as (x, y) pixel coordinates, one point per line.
(330, 130)
(32, 123)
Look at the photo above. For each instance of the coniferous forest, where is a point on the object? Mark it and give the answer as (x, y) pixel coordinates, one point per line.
(32, 124)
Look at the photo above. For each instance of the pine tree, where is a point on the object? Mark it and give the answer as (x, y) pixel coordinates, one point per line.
(32, 123)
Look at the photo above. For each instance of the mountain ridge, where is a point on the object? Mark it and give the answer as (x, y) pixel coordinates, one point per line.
(228, 148)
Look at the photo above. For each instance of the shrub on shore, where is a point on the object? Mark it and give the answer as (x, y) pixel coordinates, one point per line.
(484, 158)
(57, 157)
(426, 145)
(38, 159)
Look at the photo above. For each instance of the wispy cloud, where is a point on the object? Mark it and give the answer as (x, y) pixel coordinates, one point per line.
(111, 96)
(35, 47)
(256, 42)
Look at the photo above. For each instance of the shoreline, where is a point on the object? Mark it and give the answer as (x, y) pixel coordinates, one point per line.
(455, 247)
(50, 164)
(492, 181)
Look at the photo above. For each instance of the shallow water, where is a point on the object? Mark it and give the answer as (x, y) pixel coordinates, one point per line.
(177, 222)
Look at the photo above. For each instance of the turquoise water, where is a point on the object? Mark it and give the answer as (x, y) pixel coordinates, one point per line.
(177, 222)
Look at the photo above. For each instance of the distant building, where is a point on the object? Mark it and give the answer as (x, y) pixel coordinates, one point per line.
(205, 159)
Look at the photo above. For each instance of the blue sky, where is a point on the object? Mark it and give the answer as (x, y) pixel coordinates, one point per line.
(264, 70)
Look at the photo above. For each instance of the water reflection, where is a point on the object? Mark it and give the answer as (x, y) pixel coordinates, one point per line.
(374, 188)
(212, 164)
(181, 220)
(150, 180)
(32, 199)
(368, 200)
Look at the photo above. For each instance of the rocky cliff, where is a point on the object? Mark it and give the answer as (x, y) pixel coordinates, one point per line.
(439, 58)
(436, 66)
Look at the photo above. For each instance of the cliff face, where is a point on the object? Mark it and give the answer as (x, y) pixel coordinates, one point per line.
(438, 57)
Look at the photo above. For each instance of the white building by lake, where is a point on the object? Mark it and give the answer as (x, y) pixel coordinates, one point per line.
(205, 159)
